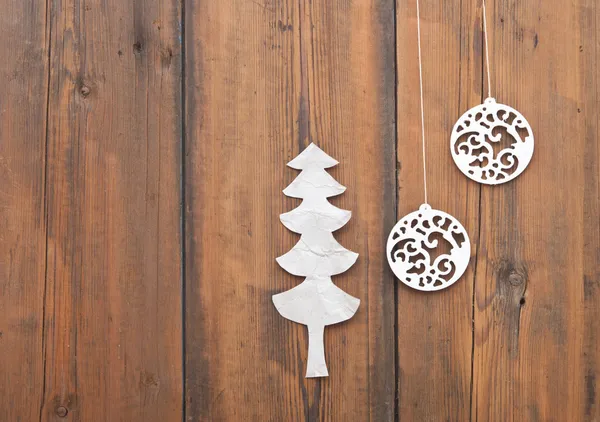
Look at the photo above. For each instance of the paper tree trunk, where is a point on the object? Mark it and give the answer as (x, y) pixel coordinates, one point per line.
(316, 302)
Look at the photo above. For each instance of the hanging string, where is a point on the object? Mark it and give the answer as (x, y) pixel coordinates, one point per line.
(422, 107)
(487, 54)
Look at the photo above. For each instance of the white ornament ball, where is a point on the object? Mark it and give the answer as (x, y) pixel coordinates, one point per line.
(492, 143)
(411, 245)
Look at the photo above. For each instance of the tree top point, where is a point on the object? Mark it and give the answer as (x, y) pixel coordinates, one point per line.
(312, 156)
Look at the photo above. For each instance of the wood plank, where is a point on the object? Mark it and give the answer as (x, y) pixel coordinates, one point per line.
(24, 75)
(536, 300)
(264, 79)
(435, 329)
(113, 306)
(589, 92)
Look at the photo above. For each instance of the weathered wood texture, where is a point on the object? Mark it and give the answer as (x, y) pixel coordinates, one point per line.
(536, 292)
(112, 324)
(263, 80)
(534, 267)
(435, 330)
(142, 156)
(24, 76)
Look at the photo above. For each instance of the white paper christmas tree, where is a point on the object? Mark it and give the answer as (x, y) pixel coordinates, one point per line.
(316, 302)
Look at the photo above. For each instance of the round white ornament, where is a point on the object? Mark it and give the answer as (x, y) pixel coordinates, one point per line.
(415, 237)
(479, 139)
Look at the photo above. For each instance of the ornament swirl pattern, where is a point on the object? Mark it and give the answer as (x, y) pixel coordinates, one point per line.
(481, 130)
(413, 241)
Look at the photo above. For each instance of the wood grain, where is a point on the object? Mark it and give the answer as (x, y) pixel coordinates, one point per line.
(588, 15)
(535, 355)
(264, 79)
(435, 330)
(112, 337)
(24, 75)
(143, 151)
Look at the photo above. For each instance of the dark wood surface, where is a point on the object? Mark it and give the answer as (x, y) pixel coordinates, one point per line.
(143, 147)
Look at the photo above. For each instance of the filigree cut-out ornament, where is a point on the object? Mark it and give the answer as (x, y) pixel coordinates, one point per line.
(316, 302)
(412, 245)
(492, 143)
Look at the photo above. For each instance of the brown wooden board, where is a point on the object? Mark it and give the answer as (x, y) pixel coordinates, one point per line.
(112, 338)
(434, 342)
(587, 400)
(23, 99)
(536, 300)
(263, 80)
(143, 151)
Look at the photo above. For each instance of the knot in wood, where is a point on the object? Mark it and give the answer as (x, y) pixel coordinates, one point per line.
(516, 279)
(62, 411)
(85, 90)
(137, 47)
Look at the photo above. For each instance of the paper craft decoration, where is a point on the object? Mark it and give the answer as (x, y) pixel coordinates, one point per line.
(415, 237)
(316, 302)
(479, 130)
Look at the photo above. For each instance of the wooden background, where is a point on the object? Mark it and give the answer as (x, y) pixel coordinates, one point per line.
(142, 156)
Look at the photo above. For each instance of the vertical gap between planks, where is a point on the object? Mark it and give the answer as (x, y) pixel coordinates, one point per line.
(476, 258)
(48, 32)
(182, 205)
(396, 202)
(460, 68)
(473, 308)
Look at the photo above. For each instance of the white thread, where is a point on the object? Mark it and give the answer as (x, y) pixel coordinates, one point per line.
(422, 107)
(487, 55)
